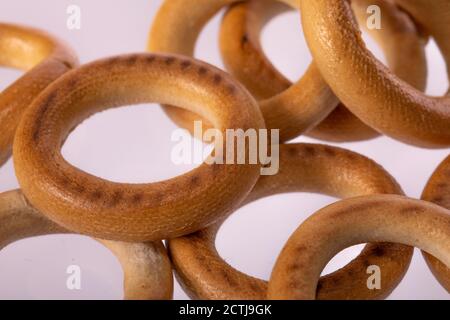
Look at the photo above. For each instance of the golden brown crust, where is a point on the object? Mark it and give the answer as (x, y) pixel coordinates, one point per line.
(133, 212)
(244, 57)
(377, 96)
(437, 191)
(175, 30)
(146, 266)
(306, 168)
(43, 57)
(374, 218)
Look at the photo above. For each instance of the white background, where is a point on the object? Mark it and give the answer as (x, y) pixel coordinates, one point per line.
(133, 144)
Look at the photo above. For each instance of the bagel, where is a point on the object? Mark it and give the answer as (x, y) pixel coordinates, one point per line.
(296, 110)
(374, 218)
(437, 190)
(146, 266)
(93, 206)
(243, 56)
(368, 89)
(203, 274)
(43, 58)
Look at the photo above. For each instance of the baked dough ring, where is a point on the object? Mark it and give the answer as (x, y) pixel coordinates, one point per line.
(301, 107)
(437, 190)
(303, 167)
(133, 212)
(365, 86)
(43, 57)
(391, 218)
(244, 57)
(146, 266)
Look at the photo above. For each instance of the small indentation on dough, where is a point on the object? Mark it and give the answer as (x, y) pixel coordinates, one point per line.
(150, 58)
(300, 249)
(217, 79)
(201, 259)
(329, 151)
(292, 151)
(169, 60)
(195, 180)
(244, 39)
(67, 64)
(116, 198)
(185, 64)
(310, 151)
(96, 195)
(64, 181)
(231, 89)
(137, 198)
(202, 71)
(231, 282)
(411, 209)
(131, 60)
(294, 267)
(79, 188)
(378, 251)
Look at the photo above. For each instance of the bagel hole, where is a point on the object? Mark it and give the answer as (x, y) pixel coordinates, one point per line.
(208, 36)
(251, 239)
(292, 46)
(8, 76)
(281, 51)
(37, 268)
(437, 82)
(130, 144)
(7, 176)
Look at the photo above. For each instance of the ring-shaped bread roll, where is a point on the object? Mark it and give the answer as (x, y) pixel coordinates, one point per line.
(43, 57)
(203, 274)
(245, 59)
(373, 218)
(437, 190)
(146, 266)
(297, 109)
(368, 89)
(87, 204)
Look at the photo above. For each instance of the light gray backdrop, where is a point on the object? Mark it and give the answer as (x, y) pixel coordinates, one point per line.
(133, 145)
